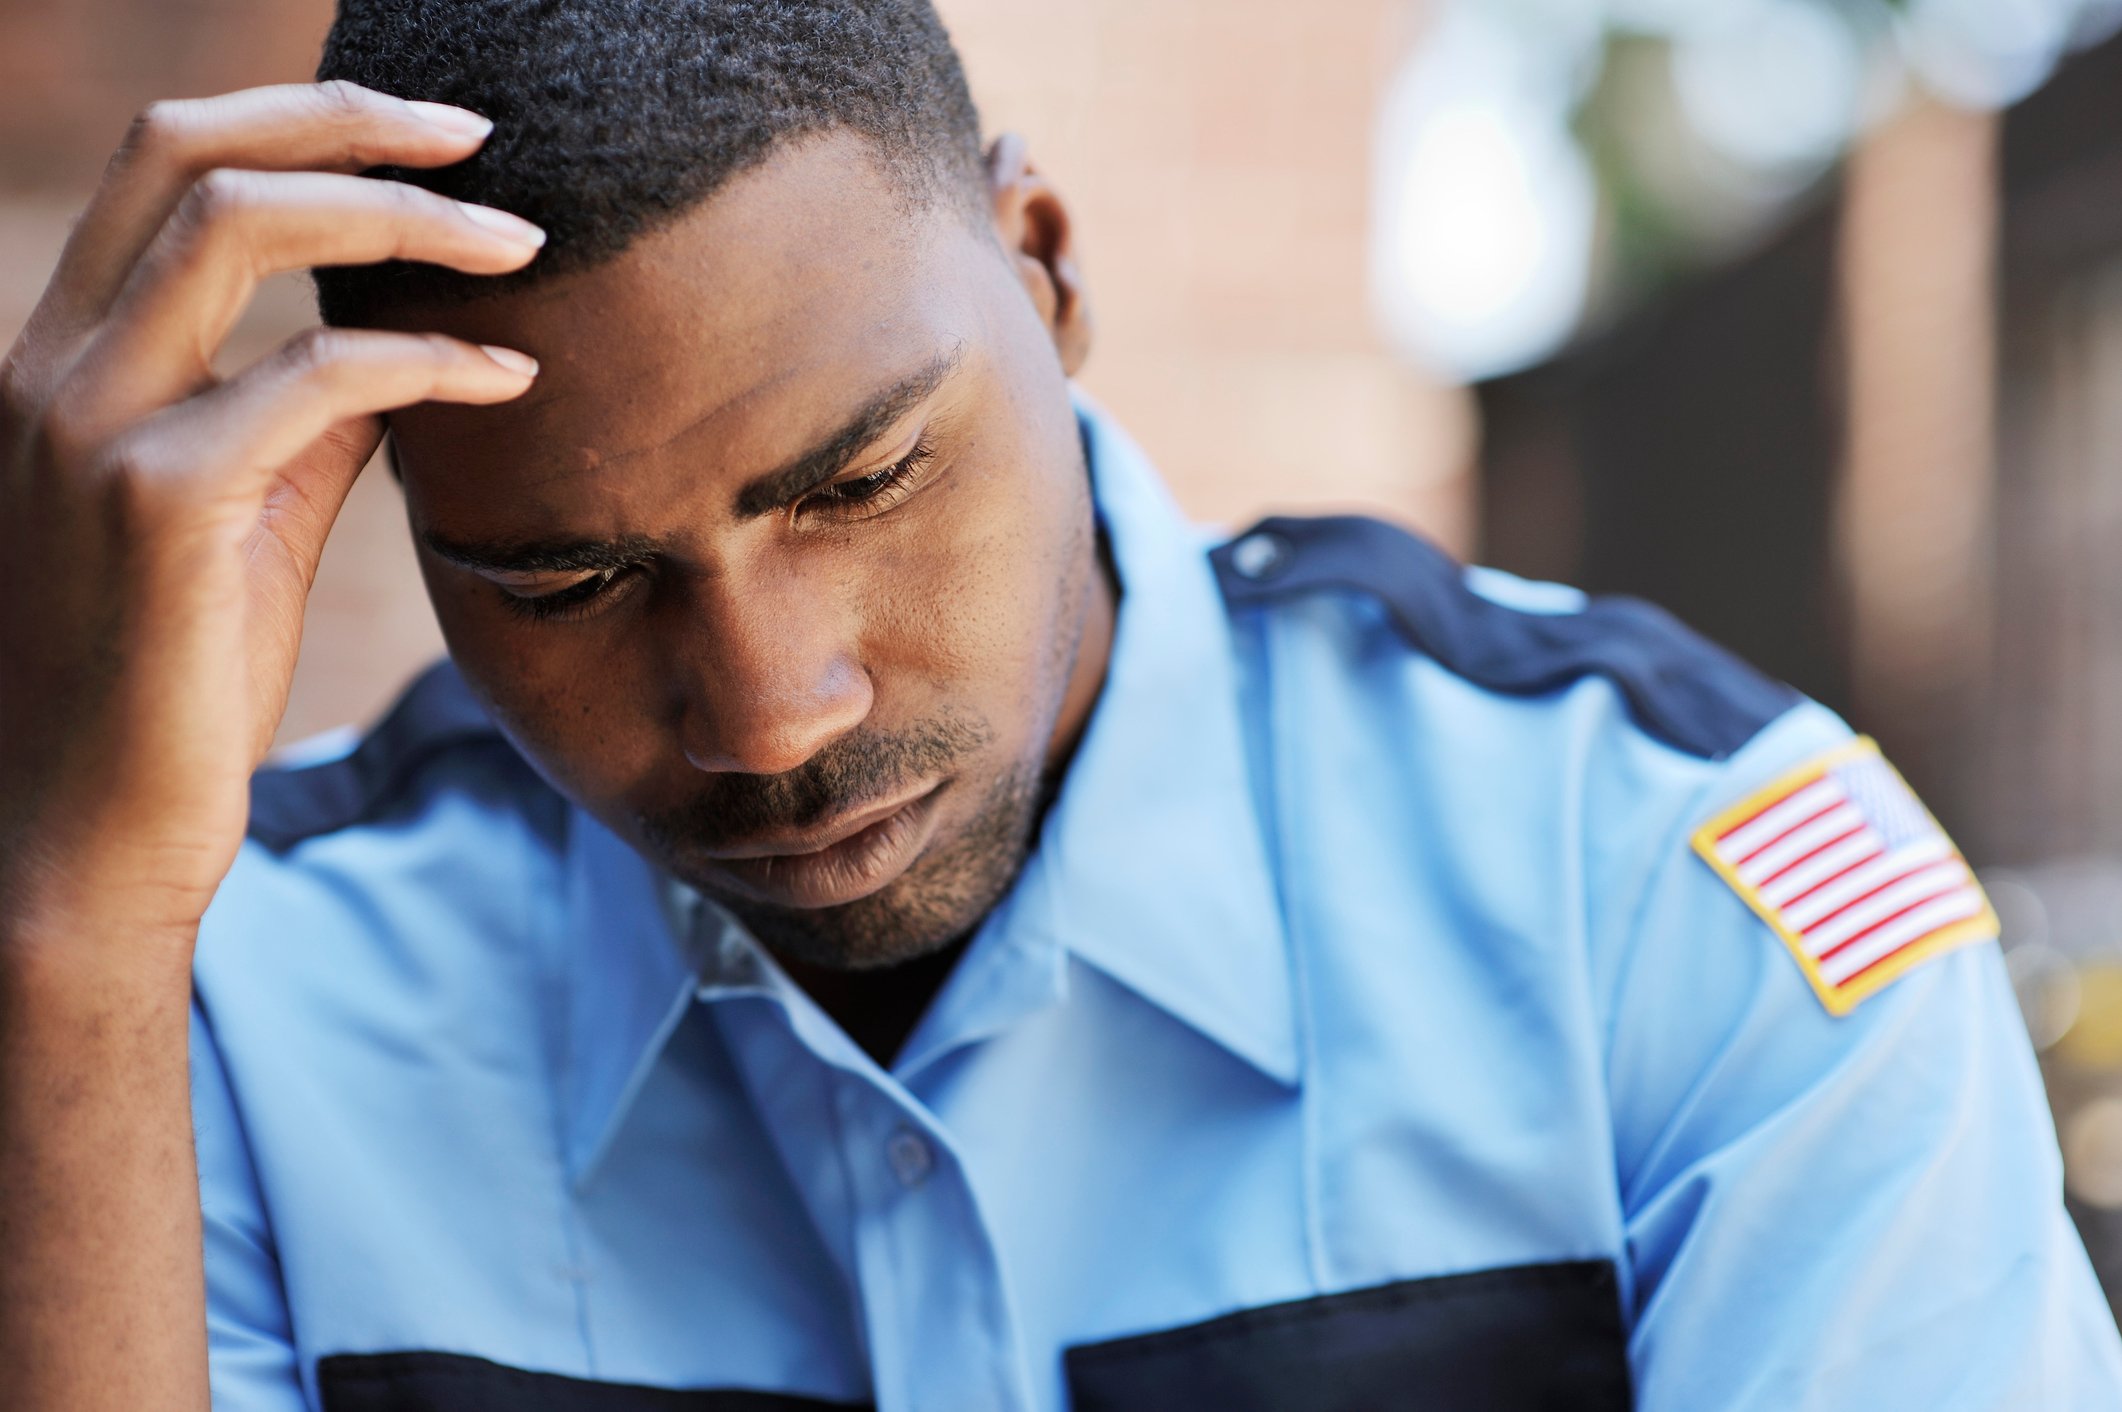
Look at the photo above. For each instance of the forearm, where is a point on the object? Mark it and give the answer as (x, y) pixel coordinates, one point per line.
(173, 520)
(102, 1290)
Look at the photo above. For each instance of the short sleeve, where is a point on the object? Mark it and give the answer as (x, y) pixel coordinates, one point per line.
(250, 1343)
(1830, 1211)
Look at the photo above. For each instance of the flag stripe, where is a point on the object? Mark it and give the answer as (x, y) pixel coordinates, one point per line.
(1916, 899)
(1862, 881)
(1742, 839)
(1800, 842)
(1955, 906)
(1770, 844)
(1836, 860)
(1781, 877)
(1825, 938)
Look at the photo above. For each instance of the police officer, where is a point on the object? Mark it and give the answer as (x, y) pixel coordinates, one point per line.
(875, 913)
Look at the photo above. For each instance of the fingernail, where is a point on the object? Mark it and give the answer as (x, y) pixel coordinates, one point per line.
(457, 122)
(509, 358)
(503, 224)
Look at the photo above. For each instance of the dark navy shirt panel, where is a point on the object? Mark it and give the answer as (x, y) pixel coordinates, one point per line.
(1680, 688)
(437, 712)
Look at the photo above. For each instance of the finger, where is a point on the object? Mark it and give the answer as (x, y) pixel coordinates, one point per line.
(335, 127)
(228, 444)
(236, 228)
(305, 500)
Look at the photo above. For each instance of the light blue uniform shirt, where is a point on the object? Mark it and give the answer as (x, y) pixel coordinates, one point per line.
(1362, 1032)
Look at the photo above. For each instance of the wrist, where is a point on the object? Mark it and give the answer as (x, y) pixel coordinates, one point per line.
(56, 954)
(58, 907)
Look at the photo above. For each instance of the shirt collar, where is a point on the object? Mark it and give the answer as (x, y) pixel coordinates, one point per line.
(1150, 867)
(628, 978)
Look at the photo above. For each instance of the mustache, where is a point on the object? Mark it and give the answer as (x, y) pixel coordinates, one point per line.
(847, 774)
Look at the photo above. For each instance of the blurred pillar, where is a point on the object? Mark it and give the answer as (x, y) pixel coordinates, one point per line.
(1685, 455)
(2054, 774)
(1915, 500)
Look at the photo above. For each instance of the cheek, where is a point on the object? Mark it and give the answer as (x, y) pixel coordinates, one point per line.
(967, 608)
(564, 698)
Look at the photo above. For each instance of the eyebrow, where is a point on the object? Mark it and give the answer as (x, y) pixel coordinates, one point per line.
(553, 556)
(831, 456)
(760, 496)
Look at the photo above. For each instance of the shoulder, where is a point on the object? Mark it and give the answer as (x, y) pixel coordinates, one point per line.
(403, 900)
(1508, 637)
(320, 789)
(426, 825)
(1707, 831)
(1576, 745)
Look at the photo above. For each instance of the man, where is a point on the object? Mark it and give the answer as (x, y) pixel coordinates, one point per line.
(877, 914)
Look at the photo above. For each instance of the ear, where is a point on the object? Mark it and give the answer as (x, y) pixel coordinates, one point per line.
(1034, 227)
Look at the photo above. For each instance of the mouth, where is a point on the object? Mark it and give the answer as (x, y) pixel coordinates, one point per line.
(847, 858)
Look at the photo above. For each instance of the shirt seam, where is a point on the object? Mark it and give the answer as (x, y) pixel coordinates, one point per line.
(303, 1368)
(1286, 883)
(559, 932)
(1674, 853)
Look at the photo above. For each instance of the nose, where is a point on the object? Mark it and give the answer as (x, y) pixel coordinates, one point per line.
(771, 679)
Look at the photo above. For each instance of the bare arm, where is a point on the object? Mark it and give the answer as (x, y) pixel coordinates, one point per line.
(160, 529)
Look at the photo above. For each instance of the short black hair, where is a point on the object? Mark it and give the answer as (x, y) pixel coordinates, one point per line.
(612, 117)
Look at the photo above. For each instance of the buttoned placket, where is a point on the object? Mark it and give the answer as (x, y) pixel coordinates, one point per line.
(885, 1185)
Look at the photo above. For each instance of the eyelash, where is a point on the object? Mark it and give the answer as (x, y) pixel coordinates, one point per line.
(580, 599)
(880, 489)
(575, 601)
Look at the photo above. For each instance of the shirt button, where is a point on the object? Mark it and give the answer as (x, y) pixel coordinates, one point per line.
(1258, 555)
(910, 1156)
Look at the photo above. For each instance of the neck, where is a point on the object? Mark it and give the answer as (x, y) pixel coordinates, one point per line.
(1094, 650)
(879, 1008)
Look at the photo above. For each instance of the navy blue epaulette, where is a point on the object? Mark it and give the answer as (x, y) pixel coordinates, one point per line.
(436, 713)
(1680, 688)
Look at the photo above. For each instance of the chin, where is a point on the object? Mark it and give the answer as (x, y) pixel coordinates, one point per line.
(938, 901)
(871, 933)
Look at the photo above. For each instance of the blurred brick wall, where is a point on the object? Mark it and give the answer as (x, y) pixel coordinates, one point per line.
(73, 71)
(1216, 152)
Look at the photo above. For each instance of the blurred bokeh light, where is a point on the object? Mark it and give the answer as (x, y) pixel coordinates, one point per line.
(1543, 162)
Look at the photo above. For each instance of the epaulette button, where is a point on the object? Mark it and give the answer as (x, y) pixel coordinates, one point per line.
(1259, 555)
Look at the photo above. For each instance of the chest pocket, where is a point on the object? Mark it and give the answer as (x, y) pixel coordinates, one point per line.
(450, 1382)
(1511, 1340)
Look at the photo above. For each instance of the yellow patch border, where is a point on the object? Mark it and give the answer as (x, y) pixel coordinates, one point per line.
(1842, 999)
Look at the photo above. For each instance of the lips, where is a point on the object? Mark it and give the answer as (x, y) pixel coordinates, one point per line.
(820, 837)
(848, 858)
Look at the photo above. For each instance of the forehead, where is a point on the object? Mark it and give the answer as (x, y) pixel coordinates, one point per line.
(746, 322)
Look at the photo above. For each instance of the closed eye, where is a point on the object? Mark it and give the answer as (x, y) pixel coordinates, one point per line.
(577, 600)
(859, 497)
(874, 493)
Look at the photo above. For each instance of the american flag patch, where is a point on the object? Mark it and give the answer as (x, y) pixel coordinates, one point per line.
(1849, 868)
